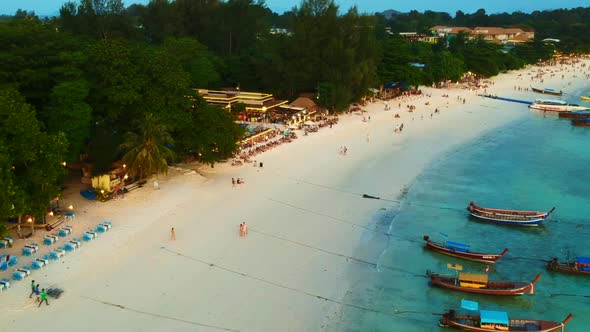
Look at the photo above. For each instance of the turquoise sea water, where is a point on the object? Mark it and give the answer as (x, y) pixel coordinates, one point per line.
(534, 163)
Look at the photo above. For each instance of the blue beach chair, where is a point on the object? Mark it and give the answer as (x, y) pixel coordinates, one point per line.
(20, 274)
(13, 260)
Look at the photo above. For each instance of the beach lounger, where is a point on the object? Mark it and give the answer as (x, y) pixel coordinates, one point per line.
(6, 241)
(89, 235)
(50, 239)
(71, 246)
(30, 249)
(4, 284)
(20, 274)
(56, 254)
(13, 260)
(101, 228)
(39, 263)
(65, 231)
(3, 266)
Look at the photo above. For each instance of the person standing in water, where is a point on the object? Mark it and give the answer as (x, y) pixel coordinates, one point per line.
(172, 234)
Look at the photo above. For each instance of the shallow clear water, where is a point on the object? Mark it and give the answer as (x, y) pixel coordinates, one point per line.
(535, 163)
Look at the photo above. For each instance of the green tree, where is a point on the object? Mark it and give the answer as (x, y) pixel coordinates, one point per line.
(30, 159)
(213, 136)
(147, 153)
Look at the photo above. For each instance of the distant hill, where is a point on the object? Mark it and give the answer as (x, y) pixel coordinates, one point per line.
(388, 14)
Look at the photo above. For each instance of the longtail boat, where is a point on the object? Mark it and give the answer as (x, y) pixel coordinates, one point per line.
(581, 265)
(461, 250)
(508, 217)
(548, 91)
(581, 122)
(479, 283)
(585, 98)
(488, 320)
(575, 115)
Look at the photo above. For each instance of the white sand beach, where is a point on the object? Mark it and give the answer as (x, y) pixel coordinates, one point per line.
(305, 213)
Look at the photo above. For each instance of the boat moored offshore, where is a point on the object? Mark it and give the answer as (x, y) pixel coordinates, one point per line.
(555, 105)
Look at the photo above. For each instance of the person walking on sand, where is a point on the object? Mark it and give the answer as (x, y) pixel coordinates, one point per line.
(233, 182)
(37, 293)
(241, 229)
(32, 288)
(245, 228)
(42, 297)
(172, 234)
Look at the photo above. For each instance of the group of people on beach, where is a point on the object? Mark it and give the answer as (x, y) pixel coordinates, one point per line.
(40, 294)
(238, 181)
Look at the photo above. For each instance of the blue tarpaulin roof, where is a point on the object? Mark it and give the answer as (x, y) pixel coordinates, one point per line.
(469, 305)
(583, 260)
(494, 317)
(457, 244)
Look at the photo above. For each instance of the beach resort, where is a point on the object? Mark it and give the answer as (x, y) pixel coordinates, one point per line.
(305, 223)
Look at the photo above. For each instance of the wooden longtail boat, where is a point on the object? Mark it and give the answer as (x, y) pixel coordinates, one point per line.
(581, 265)
(581, 123)
(575, 115)
(508, 217)
(479, 284)
(585, 98)
(461, 250)
(547, 91)
(498, 321)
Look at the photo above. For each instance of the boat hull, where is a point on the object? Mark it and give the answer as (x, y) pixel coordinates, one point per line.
(585, 98)
(507, 217)
(547, 92)
(565, 267)
(472, 256)
(498, 288)
(581, 123)
(574, 115)
(558, 108)
(461, 322)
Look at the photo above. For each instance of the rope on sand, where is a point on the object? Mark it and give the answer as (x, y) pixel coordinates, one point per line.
(159, 316)
(372, 264)
(296, 290)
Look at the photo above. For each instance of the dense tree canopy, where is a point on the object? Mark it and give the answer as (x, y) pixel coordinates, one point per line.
(101, 76)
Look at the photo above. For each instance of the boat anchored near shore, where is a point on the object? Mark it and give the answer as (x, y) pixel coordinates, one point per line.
(480, 284)
(461, 250)
(508, 217)
(555, 105)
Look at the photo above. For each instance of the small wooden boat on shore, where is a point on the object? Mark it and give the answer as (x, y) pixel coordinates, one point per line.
(480, 284)
(581, 122)
(581, 265)
(575, 115)
(548, 91)
(488, 320)
(461, 250)
(508, 217)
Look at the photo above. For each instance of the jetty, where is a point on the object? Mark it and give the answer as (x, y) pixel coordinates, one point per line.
(507, 99)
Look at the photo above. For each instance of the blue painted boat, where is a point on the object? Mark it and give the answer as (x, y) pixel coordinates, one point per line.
(508, 217)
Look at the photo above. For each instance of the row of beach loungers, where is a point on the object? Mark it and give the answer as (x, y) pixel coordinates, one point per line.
(55, 254)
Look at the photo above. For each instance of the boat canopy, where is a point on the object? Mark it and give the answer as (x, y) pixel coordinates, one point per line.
(457, 244)
(469, 305)
(583, 260)
(473, 277)
(494, 317)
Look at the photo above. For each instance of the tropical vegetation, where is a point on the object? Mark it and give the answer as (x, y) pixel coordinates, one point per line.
(107, 82)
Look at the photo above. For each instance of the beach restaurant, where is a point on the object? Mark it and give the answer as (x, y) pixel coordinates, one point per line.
(257, 105)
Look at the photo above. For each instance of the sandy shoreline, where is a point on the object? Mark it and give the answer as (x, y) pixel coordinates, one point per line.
(303, 208)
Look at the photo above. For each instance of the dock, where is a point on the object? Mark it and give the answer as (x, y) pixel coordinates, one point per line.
(507, 99)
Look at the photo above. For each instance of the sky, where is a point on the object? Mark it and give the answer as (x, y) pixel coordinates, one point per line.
(51, 7)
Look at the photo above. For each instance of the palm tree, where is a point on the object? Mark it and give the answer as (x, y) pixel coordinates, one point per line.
(146, 152)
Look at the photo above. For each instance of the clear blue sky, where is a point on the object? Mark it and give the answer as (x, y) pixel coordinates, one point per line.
(47, 7)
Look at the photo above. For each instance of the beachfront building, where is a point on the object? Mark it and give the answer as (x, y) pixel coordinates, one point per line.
(299, 111)
(491, 34)
(258, 105)
(417, 37)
